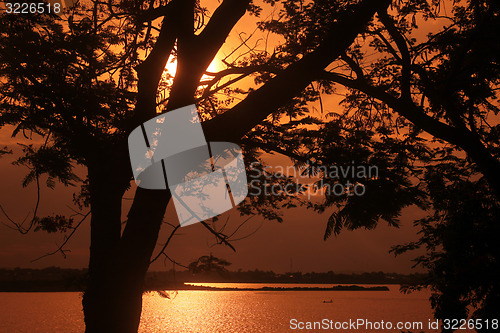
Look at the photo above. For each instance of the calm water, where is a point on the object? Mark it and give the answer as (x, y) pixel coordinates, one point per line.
(223, 311)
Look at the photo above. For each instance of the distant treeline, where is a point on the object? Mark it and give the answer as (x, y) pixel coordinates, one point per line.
(63, 279)
(47, 279)
(258, 276)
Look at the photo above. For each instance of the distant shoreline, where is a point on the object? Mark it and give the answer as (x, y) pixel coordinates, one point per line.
(188, 287)
(333, 288)
(55, 279)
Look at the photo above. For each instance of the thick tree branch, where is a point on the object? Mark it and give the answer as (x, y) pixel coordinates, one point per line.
(220, 25)
(388, 22)
(403, 107)
(354, 66)
(235, 123)
(150, 70)
(195, 53)
(460, 137)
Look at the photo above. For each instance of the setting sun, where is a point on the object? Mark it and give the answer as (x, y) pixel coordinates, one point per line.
(171, 66)
(313, 165)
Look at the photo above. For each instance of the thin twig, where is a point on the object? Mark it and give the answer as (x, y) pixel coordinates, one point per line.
(175, 262)
(221, 237)
(61, 247)
(19, 226)
(166, 244)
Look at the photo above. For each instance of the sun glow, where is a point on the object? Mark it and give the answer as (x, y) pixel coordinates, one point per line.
(215, 66)
(171, 66)
(169, 75)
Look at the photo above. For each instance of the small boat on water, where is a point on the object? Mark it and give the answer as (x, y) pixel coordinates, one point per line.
(166, 294)
(330, 301)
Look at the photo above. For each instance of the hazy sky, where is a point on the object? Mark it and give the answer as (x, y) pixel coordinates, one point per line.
(297, 242)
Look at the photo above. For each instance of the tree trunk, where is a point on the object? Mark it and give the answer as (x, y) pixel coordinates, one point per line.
(112, 301)
(487, 163)
(118, 265)
(105, 201)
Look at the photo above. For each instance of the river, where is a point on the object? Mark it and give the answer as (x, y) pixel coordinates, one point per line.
(234, 311)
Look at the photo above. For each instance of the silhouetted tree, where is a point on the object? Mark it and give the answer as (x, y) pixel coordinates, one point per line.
(208, 264)
(443, 82)
(84, 80)
(462, 251)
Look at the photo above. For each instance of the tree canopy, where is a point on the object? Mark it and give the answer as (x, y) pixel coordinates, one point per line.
(418, 82)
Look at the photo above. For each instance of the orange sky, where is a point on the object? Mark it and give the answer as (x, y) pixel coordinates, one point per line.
(299, 237)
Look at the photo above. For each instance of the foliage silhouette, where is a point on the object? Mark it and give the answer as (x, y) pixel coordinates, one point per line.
(422, 110)
(208, 264)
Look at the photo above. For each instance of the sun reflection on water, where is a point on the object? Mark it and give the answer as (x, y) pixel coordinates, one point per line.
(271, 311)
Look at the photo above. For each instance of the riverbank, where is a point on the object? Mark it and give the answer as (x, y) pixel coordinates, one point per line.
(54, 279)
(55, 287)
(283, 288)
